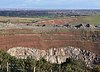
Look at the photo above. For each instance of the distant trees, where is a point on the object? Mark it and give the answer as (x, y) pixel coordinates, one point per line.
(47, 13)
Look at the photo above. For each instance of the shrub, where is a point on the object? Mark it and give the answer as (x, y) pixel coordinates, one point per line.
(96, 68)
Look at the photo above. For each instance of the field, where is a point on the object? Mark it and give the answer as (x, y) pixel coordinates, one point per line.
(45, 33)
(95, 20)
(6, 19)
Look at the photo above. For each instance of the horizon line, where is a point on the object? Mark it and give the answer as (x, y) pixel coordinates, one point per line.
(49, 9)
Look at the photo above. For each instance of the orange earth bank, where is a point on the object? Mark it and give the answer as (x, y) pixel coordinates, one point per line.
(46, 41)
(58, 21)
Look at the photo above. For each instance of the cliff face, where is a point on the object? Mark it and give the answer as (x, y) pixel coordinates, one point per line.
(54, 43)
(55, 55)
(84, 36)
(86, 40)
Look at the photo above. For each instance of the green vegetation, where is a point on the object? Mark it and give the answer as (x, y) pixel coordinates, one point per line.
(96, 68)
(11, 64)
(5, 19)
(95, 20)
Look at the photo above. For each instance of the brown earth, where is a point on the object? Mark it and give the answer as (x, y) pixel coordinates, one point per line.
(46, 41)
(58, 21)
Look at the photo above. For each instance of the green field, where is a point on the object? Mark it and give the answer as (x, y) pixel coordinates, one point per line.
(95, 20)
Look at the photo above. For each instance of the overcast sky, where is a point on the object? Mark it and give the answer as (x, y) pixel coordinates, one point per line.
(51, 4)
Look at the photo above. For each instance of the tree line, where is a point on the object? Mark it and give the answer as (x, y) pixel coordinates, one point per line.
(9, 63)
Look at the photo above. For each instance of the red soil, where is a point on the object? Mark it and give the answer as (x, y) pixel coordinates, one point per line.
(58, 21)
(47, 41)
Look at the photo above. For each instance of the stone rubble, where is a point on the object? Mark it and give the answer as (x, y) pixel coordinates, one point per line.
(31, 26)
(55, 55)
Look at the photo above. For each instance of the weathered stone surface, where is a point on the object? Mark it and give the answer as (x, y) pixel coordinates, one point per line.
(55, 55)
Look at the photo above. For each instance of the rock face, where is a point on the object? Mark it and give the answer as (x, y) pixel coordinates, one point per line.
(84, 36)
(55, 55)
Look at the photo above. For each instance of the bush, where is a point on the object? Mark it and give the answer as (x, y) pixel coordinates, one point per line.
(96, 68)
(31, 65)
(72, 65)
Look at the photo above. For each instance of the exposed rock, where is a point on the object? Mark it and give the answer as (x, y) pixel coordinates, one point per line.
(30, 26)
(90, 26)
(55, 55)
(79, 26)
(98, 26)
(85, 26)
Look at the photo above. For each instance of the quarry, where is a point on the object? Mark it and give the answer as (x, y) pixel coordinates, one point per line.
(55, 43)
(53, 39)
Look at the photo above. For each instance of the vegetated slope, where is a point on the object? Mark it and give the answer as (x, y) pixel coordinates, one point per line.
(82, 39)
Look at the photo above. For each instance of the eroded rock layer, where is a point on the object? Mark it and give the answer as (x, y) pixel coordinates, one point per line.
(55, 55)
(86, 40)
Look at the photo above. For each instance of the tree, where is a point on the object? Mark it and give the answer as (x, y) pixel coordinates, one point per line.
(4, 60)
(11, 64)
(96, 68)
(72, 65)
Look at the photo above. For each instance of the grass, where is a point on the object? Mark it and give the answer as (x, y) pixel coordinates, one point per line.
(19, 19)
(94, 20)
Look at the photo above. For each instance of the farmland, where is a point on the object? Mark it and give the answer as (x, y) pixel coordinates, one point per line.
(95, 20)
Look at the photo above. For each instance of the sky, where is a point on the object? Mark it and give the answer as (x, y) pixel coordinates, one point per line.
(50, 4)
